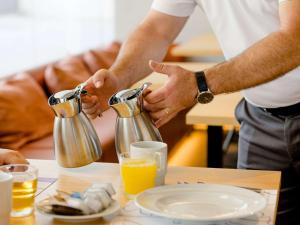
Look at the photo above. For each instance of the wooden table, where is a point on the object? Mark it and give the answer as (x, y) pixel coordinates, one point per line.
(80, 178)
(215, 114)
(202, 45)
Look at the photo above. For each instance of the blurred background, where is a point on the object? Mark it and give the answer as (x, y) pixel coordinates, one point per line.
(35, 32)
(60, 43)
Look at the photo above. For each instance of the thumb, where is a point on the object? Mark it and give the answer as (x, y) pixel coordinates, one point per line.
(162, 67)
(99, 77)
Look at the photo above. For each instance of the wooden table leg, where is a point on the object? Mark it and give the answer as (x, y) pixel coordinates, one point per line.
(214, 146)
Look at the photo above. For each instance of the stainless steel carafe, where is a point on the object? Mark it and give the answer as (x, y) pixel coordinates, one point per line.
(75, 139)
(133, 123)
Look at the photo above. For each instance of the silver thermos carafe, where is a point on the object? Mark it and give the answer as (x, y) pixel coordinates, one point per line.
(133, 123)
(75, 139)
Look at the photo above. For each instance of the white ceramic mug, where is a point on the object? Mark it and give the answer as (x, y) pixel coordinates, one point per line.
(142, 148)
(6, 181)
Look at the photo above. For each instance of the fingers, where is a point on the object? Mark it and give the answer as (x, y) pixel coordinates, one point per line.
(163, 68)
(88, 101)
(163, 116)
(91, 106)
(156, 96)
(154, 107)
(162, 121)
(93, 111)
(99, 78)
(99, 88)
(16, 158)
(11, 157)
(146, 92)
(161, 113)
(172, 71)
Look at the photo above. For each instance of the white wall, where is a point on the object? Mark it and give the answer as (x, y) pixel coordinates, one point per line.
(128, 13)
(85, 23)
(42, 31)
(8, 6)
(46, 30)
(80, 9)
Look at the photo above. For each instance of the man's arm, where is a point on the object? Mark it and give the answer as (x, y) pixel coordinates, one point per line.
(266, 60)
(150, 40)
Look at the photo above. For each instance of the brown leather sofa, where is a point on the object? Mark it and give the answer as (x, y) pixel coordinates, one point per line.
(105, 126)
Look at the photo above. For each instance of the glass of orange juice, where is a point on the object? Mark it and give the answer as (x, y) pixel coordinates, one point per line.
(24, 188)
(138, 173)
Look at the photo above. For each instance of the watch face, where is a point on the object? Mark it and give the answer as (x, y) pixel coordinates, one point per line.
(205, 97)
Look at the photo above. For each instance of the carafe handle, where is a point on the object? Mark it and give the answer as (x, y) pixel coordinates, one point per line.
(141, 98)
(145, 86)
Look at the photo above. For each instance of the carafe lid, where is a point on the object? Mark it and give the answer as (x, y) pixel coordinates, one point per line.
(67, 95)
(128, 94)
(125, 95)
(67, 103)
(128, 102)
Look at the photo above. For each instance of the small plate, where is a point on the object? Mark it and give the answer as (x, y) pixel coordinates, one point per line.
(111, 210)
(200, 202)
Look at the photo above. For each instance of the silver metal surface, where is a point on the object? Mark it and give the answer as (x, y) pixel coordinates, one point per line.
(133, 123)
(75, 139)
(129, 102)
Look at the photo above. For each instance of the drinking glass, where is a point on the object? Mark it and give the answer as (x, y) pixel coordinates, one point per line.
(138, 173)
(5, 197)
(24, 188)
(142, 148)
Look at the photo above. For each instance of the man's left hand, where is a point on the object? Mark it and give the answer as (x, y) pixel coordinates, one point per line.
(178, 93)
(8, 156)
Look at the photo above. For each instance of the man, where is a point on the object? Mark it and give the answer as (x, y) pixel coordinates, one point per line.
(11, 157)
(261, 43)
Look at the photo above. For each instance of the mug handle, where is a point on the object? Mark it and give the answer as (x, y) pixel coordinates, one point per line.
(159, 161)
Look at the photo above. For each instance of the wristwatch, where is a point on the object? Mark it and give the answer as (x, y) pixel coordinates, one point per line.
(204, 95)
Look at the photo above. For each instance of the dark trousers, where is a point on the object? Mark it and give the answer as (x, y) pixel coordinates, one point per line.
(270, 142)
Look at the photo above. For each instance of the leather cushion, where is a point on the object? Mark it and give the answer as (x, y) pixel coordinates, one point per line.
(101, 58)
(66, 74)
(24, 113)
(95, 61)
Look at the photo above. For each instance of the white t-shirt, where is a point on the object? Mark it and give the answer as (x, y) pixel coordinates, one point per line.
(238, 24)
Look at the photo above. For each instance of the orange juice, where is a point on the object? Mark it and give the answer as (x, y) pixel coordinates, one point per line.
(138, 175)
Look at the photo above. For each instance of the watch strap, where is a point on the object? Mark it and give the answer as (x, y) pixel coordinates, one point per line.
(201, 81)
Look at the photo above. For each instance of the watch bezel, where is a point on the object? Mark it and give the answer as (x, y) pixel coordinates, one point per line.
(205, 97)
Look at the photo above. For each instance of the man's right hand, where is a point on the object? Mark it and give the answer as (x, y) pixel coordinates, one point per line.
(11, 157)
(100, 87)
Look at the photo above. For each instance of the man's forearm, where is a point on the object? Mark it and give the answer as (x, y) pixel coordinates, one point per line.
(150, 40)
(266, 60)
(132, 62)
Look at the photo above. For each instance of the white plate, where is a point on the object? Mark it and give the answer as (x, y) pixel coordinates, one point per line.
(111, 210)
(200, 202)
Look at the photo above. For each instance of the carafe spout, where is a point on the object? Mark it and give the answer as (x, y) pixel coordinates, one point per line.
(65, 109)
(129, 102)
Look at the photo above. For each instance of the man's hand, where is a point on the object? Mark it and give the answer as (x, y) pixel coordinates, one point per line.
(101, 86)
(177, 94)
(11, 157)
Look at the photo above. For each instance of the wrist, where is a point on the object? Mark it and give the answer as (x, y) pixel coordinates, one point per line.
(195, 89)
(204, 95)
(123, 81)
(209, 77)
